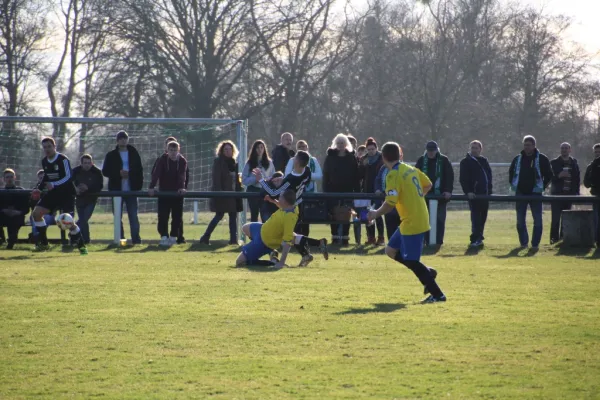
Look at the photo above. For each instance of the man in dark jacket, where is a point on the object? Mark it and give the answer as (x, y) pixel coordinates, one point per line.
(591, 180)
(476, 179)
(88, 181)
(123, 168)
(12, 208)
(180, 237)
(170, 172)
(283, 152)
(565, 182)
(529, 175)
(439, 170)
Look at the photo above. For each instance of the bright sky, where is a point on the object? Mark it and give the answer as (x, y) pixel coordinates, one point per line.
(584, 30)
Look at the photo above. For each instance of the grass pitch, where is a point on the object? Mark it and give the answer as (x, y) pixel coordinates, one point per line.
(147, 323)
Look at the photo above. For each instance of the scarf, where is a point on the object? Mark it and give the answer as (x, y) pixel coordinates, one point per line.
(539, 183)
(438, 171)
(487, 178)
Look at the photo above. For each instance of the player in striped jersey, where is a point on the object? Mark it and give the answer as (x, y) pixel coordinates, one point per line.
(297, 181)
(58, 182)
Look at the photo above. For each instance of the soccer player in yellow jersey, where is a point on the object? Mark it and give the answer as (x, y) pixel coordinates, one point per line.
(265, 238)
(406, 188)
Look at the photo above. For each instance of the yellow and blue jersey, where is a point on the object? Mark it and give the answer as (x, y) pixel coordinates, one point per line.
(404, 190)
(279, 228)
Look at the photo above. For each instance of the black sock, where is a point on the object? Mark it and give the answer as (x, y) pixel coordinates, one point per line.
(422, 272)
(302, 247)
(79, 239)
(312, 242)
(42, 237)
(399, 257)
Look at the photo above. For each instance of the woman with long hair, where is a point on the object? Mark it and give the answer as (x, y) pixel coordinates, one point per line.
(225, 178)
(257, 158)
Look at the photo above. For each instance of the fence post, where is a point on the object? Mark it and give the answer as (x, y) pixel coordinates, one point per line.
(433, 206)
(242, 138)
(195, 212)
(117, 210)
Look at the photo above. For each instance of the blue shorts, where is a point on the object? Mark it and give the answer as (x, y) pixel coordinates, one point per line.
(410, 246)
(254, 250)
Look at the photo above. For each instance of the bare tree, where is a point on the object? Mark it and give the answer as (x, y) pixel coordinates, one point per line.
(198, 50)
(303, 46)
(22, 33)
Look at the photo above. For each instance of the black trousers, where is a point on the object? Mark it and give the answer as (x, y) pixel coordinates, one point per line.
(441, 223)
(392, 222)
(555, 226)
(12, 224)
(254, 204)
(479, 213)
(172, 206)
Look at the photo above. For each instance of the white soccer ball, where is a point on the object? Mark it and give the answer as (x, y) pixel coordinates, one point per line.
(65, 221)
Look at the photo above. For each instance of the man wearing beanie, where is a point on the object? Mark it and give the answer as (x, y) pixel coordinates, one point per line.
(439, 170)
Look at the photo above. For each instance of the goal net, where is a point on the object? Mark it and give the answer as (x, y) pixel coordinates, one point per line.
(20, 148)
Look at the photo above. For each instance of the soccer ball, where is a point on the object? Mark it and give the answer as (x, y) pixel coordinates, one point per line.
(65, 221)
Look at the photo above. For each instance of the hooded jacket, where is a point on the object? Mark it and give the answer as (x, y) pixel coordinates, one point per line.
(169, 173)
(475, 175)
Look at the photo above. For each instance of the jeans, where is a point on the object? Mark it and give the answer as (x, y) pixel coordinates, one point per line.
(597, 222)
(132, 212)
(12, 224)
(255, 205)
(392, 222)
(84, 213)
(441, 223)
(479, 213)
(170, 206)
(536, 213)
(232, 225)
(556, 232)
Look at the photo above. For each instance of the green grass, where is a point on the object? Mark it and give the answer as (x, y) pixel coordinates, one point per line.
(147, 323)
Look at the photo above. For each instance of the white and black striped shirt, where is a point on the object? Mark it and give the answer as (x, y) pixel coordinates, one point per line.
(57, 171)
(293, 181)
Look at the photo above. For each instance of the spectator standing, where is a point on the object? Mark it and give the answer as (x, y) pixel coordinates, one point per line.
(258, 158)
(592, 181)
(340, 175)
(12, 208)
(225, 178)
(170, 175)
(360, 206)
(392, 219)
(476, 179)
(180, 237)
(439, 170)
(88, 181)
(123, 168)
(566, 181)
(283, 152)
(529, 175)
(369, 166)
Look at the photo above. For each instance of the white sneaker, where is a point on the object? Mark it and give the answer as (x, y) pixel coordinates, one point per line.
(164, 241)
(172, 240)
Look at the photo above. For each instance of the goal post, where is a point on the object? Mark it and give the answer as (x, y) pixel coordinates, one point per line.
(20, 149)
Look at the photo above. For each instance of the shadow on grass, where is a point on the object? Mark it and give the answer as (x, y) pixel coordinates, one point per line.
(516, 252)
(379, 308)
(473, 251)
(216, 246)
(431, 250)
(581, 252)
(258, 268)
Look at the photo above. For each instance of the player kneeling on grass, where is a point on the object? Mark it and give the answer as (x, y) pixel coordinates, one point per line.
(406, 188)
(58, 182)
(265, 238)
